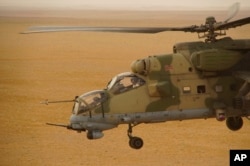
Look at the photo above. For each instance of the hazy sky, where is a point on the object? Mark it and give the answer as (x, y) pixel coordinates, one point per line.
(124, 4)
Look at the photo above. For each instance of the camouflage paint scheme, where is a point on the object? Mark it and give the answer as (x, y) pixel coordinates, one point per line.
(173, 81)
(199, 80)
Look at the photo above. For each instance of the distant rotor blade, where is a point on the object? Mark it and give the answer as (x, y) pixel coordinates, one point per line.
(233, 10)
(233, 24)
(41, 29)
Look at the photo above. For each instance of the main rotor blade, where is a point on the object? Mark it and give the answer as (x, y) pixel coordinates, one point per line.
(41, 29)
(233, 24)
(233, 10)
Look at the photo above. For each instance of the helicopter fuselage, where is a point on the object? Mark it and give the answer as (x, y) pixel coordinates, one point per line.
(197, 81)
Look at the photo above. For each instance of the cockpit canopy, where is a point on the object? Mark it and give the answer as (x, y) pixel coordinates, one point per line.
(94, 99)
(124, 82)
(88, 101)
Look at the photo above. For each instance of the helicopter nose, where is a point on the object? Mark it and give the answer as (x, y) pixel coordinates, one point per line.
(75, 123)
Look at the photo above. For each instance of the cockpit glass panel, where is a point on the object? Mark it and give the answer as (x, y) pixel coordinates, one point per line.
(75, 108)
(88, 101)
(124, 82)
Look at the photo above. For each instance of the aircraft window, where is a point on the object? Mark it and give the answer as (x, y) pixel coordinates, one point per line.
(186, 89)
(126, 83)
(75, 108)
(88, 101)
(201, 89)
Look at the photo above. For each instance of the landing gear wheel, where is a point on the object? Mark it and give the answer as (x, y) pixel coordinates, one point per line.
(135, 142)
(234, 123)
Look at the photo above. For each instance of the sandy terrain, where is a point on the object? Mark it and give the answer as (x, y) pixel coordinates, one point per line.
(59, 66)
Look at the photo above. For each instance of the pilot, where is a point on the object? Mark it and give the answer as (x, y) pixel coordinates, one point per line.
(97, 99)
(135, 82)
(118, 88)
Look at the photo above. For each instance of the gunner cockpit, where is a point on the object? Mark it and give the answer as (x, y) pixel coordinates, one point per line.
(88, 101)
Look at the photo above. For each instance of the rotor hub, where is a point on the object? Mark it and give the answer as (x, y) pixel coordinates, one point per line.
(210, 20)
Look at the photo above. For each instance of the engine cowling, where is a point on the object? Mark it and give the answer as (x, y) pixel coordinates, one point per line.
(94, 134)
(213, 60)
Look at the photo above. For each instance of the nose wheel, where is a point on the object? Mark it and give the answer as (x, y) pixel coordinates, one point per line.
(134, 142)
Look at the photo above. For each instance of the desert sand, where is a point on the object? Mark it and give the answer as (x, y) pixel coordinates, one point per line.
(59, 66)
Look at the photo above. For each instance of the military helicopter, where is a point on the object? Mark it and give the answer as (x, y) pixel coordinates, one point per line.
(199, 80)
